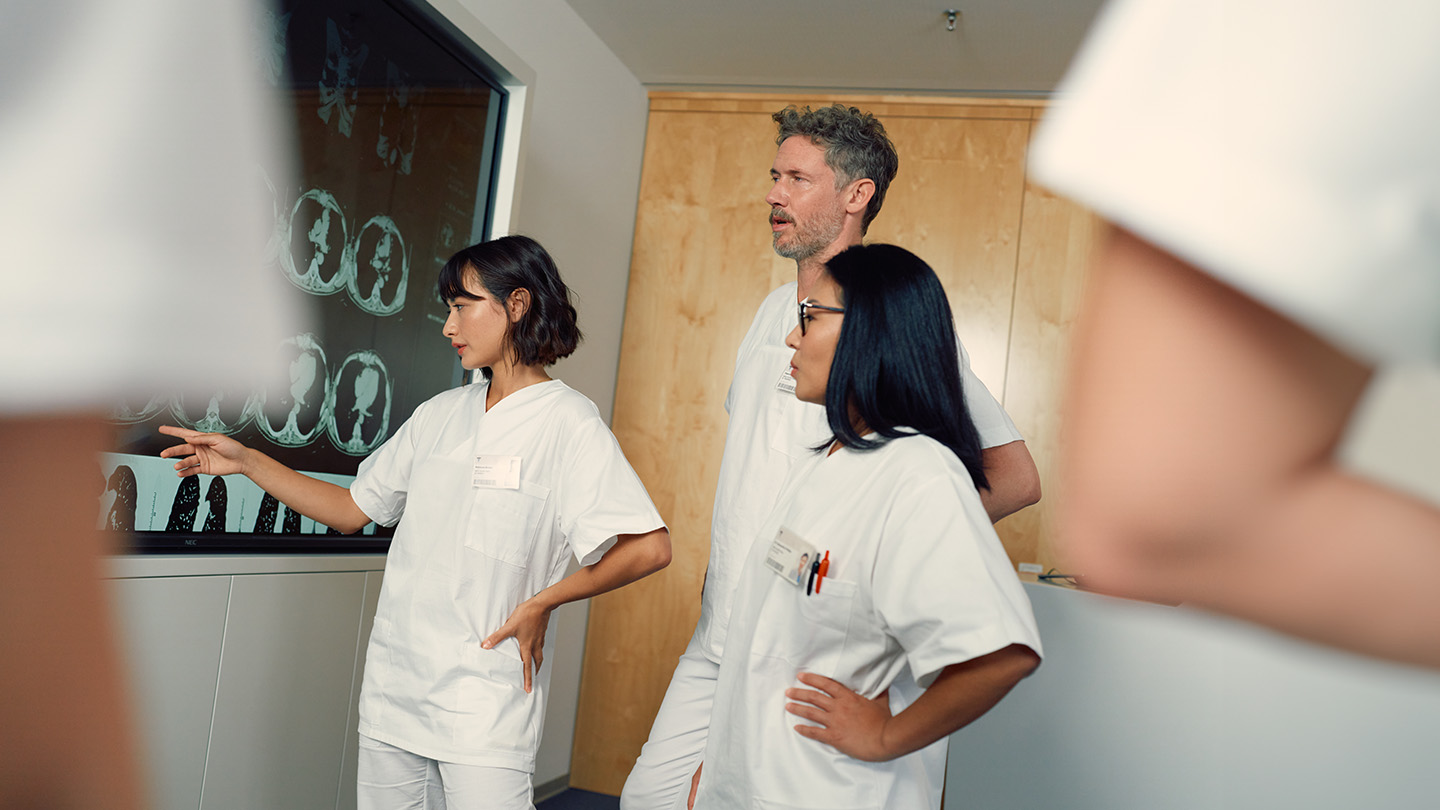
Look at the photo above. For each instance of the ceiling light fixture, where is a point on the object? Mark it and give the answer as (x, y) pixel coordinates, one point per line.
(950, 15)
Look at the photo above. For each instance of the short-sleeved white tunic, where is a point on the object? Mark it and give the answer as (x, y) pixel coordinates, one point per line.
(918, 580)
(465, 556)
(769, 430)
(1282, 148)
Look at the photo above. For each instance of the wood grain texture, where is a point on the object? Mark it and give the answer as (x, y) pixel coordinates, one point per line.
(1007, 254)
(701, 265)
(956, 204)
(1058, 239)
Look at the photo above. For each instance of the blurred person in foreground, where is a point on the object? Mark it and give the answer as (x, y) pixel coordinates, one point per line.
(130, 134)
(1265, 306)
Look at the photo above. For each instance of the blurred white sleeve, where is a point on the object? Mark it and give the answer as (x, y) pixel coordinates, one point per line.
(1287, 148)
(134, 215)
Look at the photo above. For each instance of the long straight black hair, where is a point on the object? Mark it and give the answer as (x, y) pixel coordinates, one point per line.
(896, 364)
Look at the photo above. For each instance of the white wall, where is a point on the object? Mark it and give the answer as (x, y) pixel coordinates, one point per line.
(1142, 706)
(579, 176)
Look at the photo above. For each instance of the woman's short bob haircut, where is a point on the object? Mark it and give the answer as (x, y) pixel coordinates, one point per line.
(896, 362)
(548, 330)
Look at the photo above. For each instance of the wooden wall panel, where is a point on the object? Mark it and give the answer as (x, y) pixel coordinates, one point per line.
(1056, 244)
(702, 263)
(956, 204)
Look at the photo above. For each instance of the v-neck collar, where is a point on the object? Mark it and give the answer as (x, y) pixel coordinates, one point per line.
(526, 393)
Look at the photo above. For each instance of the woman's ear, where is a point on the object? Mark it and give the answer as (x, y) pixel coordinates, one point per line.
(518, 304)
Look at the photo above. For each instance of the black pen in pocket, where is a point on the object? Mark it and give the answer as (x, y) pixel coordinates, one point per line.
(812, 583)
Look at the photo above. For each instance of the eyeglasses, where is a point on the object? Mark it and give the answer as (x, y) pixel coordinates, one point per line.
(808, 304)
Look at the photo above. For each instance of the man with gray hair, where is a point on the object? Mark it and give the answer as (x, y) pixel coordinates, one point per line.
(829, 179)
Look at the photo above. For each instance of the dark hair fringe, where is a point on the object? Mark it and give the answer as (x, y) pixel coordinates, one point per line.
(896, 361)
(549, 329)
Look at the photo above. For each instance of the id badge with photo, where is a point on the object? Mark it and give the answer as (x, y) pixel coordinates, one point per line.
(790, 557)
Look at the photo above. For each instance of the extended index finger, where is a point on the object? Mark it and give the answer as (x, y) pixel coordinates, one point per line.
(827, 685)
(808, 696)
(178, 432)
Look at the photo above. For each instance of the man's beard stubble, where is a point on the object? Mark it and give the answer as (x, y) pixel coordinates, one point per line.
(808, 239)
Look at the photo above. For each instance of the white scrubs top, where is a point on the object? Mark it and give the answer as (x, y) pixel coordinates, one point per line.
(465, 556)
(1217, 131)
(918, 580)
(769, 430)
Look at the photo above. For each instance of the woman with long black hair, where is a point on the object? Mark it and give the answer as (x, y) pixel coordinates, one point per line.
(908, 582)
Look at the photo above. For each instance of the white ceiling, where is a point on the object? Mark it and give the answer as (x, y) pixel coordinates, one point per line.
(998, 46)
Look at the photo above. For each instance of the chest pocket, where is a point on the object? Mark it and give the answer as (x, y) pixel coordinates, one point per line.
(506, 523)
(830, 606)
(808, 631)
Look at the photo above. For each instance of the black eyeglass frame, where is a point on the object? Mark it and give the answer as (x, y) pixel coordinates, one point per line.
(808, 304)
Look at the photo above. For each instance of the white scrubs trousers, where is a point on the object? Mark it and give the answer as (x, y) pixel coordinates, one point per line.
(394, 779)
(661, 777)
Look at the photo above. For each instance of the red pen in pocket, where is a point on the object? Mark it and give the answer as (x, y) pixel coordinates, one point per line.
(824, 569)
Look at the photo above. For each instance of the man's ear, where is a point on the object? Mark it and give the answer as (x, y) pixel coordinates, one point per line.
(859, 195)
(518, 304)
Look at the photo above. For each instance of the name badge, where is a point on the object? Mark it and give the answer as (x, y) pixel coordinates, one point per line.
(786, 383)
(790, 558)
(496, 472)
